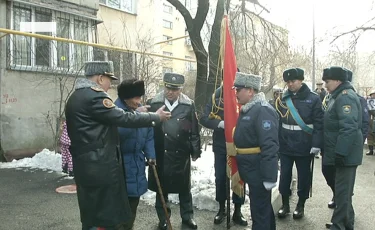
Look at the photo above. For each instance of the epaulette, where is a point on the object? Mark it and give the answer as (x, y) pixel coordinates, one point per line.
(344, 92)
(97, 89)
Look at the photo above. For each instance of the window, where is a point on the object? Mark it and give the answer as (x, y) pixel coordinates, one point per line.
(166, 38)
(189, 65)
(167, 9)
(125, 5)
(167, 24)
(167, 70)
(33, 53)
(167, 53)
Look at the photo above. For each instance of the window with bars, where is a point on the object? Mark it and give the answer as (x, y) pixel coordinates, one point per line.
(189, 66)
(40, 54)
(125, 5)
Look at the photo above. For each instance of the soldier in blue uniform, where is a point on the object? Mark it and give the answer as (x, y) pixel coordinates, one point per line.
(300, 137)
(257, 145)
(213, 118)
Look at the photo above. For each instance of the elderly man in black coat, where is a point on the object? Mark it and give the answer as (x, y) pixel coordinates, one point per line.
(92, 120)
(176, 142)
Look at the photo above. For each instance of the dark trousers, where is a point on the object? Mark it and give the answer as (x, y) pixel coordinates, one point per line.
(221, 180)
(125, 226)
(343, 215)
(133, 202)
(329, 173)
(304, 175)
(260, 199)
(186, 206)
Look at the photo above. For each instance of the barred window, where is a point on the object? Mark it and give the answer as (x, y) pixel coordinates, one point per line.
(167, 24)
(29, 53)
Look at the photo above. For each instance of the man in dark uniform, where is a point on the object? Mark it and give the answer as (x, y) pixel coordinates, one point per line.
(320, 90)
(176, 141)
(300, 138)
(92, 120)
(371, 132)
(257, 144)
(276, 94)
(343, 143)
(213, 118)
(329, 170)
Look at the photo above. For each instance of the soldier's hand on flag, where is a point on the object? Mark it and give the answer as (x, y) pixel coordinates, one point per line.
(315, 151)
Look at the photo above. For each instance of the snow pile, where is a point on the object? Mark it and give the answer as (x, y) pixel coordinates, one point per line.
(202, 181)
(45, 160)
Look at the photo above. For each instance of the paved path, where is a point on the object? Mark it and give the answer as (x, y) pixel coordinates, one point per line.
(28, 201)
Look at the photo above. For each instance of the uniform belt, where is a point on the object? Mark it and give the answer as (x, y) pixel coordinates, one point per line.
(295, 127)
(254, 150)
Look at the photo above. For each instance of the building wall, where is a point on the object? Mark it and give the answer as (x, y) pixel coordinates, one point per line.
(28, 96)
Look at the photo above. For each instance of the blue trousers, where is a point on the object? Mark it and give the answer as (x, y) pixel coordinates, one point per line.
(303, 171)
(220, 180)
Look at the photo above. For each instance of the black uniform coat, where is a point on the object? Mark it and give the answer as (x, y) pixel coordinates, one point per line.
(176, 140)
(218, 137)
(342, 127)
(257, 126)
(309, 107)
(92, 121)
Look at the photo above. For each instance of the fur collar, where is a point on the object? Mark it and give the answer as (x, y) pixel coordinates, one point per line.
(302, 93)
(183, 99)
(259, 97)
(85, 83)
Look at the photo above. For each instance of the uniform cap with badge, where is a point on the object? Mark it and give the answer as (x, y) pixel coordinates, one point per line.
(294, 74)
(336, 73)
(244, 80)
(173, 80)
(105, 68)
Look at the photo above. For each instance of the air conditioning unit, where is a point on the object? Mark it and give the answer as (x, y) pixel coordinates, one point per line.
(188, 42)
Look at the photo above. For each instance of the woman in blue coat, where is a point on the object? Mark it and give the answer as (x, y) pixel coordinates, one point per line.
(136, 144)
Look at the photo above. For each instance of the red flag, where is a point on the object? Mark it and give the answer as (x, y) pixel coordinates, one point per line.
(230, 109)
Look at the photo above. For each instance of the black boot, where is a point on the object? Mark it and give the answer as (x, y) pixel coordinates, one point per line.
(220, 216)
(371, 150)
(65, 169)
(332, 203)
(285, 209)
(237, 216)
(300, 209)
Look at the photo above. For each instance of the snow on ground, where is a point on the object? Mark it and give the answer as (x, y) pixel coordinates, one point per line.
(202, 182)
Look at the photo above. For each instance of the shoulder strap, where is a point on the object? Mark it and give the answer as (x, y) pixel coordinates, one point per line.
(297, 117)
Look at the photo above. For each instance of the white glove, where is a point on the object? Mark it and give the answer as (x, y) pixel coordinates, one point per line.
(315, 151)
(269, 185)
(221, 125)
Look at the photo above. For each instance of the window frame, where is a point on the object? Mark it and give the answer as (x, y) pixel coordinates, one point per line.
(121, 7)
(167, 9)
(167, 27)
(53, 52)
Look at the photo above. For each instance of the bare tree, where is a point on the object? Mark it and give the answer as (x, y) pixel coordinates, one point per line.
(261, 47)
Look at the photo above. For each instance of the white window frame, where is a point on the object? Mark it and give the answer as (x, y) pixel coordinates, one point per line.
(53, 44)
(166, 38)
(122, 7)
(189, 64)
(167, 9)
(170, 23)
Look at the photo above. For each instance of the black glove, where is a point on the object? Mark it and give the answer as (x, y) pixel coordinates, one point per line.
(339, 160)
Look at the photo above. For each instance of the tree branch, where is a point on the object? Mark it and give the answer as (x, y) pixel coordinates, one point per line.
(202, 11)
(184, 12)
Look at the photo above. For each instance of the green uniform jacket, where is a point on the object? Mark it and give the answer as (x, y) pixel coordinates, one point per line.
(342, 127)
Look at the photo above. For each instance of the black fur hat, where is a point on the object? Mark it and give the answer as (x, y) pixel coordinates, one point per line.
(293, 74)
(336, 73)
(130, 88)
